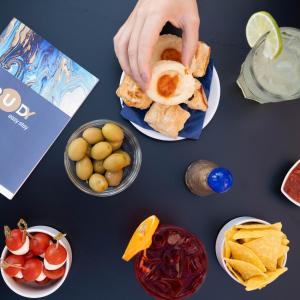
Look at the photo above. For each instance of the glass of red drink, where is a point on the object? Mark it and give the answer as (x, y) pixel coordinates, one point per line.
(174, 266)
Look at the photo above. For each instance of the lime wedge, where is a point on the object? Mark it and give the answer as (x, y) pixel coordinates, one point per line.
(260, 24)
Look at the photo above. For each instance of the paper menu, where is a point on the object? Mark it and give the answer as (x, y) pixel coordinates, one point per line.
(40, 91)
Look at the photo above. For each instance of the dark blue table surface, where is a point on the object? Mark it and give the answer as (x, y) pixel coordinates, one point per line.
(257, 143)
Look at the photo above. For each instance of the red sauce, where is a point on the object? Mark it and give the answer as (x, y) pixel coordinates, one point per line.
(292, 185)
(174, 266)
(171, 54)
(166, 85)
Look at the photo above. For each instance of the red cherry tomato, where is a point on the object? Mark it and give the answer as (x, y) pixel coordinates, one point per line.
(28, 255)
(17, 261)
(56, 274)
(39, 243)
(15, 240)
(32, 269)
(43, 282)
(56, 254)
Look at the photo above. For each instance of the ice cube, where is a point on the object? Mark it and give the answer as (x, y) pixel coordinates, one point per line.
(175, 238)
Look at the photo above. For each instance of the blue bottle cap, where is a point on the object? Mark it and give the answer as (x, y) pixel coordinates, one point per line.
(220, 180)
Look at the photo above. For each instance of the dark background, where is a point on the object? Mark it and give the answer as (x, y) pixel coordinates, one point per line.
(258, 143)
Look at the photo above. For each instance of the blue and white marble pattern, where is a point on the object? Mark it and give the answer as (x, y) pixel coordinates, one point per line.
(42, 67)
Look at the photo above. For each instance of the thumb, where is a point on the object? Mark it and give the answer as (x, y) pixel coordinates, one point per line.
(190, 37)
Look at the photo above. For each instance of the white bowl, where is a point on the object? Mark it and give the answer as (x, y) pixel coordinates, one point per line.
(283, 184)
(221, 240)
(32, 290)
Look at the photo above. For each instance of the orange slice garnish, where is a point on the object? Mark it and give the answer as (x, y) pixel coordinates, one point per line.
(142, 237)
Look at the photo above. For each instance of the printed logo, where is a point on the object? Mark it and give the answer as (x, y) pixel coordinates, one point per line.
(10, 101)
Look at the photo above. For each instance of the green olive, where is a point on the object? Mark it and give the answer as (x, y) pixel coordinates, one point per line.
(112, 132)
(98, 166)
(93, 135)
(84, 168)
(116, 145)
(115, 162)
(101, 150)
(98, 183)
(126, 155)
(77, 149)
(114, 178)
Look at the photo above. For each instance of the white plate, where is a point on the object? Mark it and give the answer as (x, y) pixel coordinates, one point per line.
(213, 102)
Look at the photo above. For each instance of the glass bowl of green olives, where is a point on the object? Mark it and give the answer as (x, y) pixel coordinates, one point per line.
(102, 158)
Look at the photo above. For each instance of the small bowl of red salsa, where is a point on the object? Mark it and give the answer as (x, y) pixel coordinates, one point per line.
(291, 184)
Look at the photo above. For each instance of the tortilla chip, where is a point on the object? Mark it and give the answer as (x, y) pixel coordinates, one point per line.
(283, 250)
(267, 249)
(235, 274)
(243, 253)
(255, 234)
(259, 282)
(276, 226)
(285, 241)
(245, 269)
(242, 241)
(230, 233)
(227, 252)
(281, 261)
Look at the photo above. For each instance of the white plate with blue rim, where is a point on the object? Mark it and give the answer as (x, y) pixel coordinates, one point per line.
(213, 103)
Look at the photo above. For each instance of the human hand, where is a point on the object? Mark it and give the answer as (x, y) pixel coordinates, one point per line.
(136, 38)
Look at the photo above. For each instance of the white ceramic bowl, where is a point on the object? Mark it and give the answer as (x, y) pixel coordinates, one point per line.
(221, 240)
(33, 290)
(283, 184)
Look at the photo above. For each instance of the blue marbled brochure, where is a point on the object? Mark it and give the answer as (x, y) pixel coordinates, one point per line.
(40, 90)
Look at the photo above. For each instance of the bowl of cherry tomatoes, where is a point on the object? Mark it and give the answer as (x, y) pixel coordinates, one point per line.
(35, 261)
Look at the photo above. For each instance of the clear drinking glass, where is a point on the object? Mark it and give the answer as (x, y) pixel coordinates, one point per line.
(130, 145)
(273, 80)
(174, 266)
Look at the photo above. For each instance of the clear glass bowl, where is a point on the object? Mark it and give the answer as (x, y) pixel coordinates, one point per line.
(130, 145)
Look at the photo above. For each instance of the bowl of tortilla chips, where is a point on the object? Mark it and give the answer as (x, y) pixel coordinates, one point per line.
(253, 252)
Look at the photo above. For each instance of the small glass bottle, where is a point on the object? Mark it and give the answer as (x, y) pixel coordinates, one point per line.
(204, 178)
